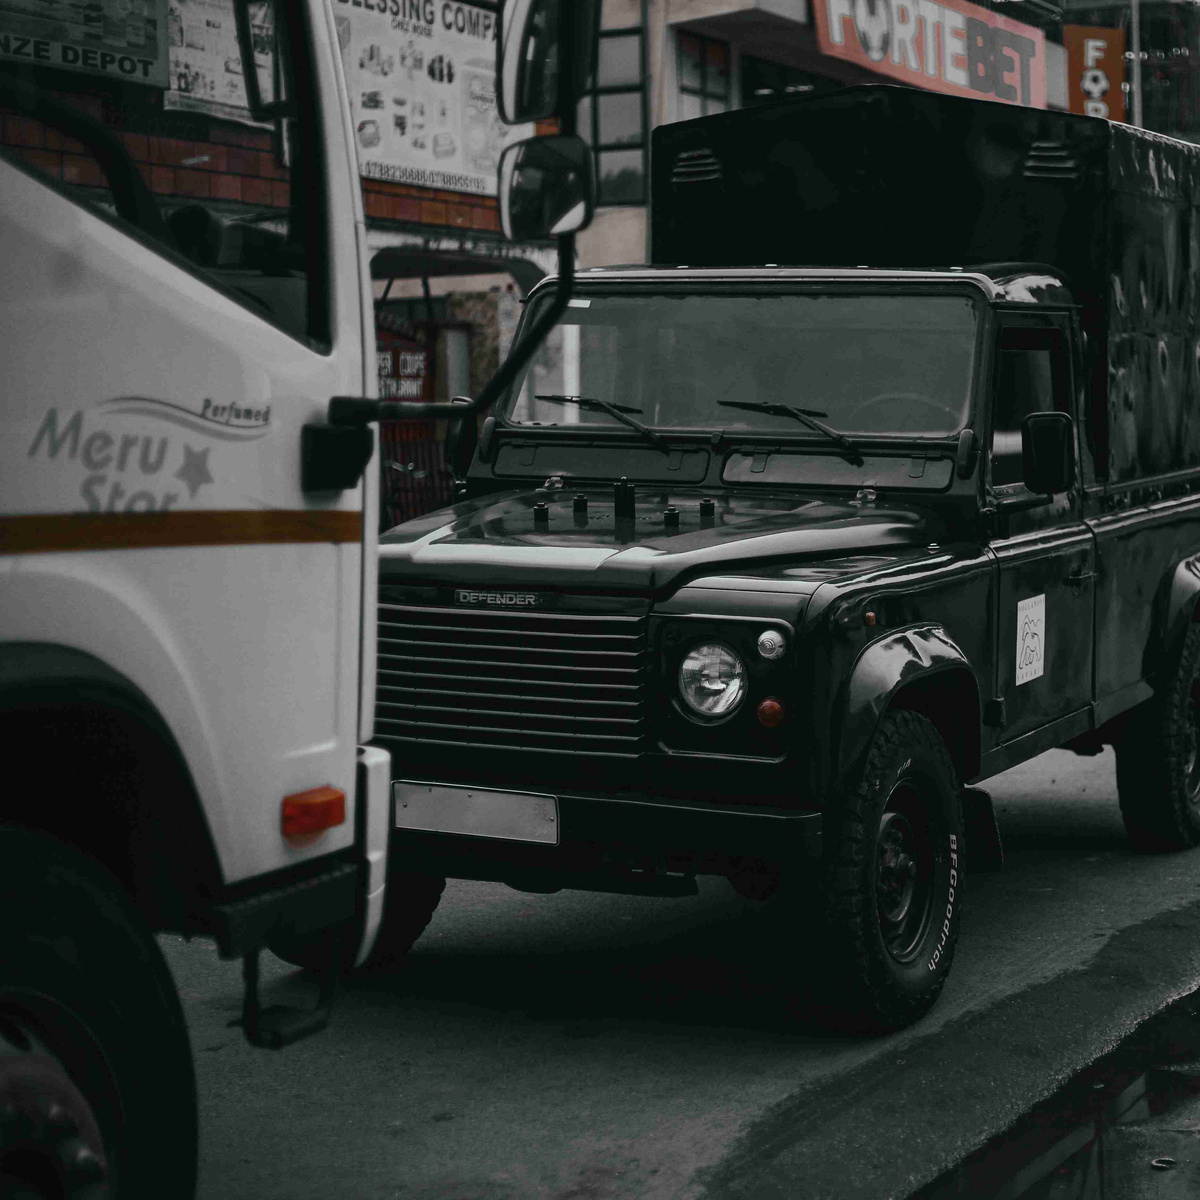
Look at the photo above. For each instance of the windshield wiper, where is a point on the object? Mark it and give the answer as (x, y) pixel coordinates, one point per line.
(806, 416)
(619, 412)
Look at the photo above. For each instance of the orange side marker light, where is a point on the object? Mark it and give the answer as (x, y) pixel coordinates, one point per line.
(770, 712)
(312, 811)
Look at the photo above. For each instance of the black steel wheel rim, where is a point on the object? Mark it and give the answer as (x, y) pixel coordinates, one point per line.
(51, 1140)
(905, 872)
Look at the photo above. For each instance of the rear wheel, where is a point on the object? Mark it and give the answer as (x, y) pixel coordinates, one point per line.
(894, 882)
(409, 904)
(97, 1091)
(1158, 761)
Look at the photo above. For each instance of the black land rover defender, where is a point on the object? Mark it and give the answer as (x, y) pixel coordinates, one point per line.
(759, 565)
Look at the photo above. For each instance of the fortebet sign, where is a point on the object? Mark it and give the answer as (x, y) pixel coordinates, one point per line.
(1095, 70)
(955, 48)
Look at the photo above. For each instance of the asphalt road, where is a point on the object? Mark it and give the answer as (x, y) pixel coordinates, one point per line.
(583, 1046)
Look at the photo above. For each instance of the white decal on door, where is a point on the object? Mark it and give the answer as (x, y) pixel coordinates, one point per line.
(1031, 638)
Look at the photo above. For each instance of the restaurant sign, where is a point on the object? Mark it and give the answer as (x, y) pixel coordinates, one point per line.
(958, 48)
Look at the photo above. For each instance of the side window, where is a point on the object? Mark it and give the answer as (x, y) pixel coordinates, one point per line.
(1029, 377)
(194, 179)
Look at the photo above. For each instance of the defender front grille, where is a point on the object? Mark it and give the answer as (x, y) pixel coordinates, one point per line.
(540, 681)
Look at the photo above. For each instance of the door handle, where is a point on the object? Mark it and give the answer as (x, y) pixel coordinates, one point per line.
(1079, 578)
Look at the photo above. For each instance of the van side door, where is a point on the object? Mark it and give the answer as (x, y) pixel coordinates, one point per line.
(1045, 554)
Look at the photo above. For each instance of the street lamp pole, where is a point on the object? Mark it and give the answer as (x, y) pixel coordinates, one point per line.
(1136, 81)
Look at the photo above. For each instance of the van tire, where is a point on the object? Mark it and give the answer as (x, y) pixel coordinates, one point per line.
(894, 878)
(1158, 761)
(409, 903)
(97, 1086)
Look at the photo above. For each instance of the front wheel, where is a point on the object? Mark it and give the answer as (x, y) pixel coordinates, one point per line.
(409, 904)
(97, 1091)
(893, 888)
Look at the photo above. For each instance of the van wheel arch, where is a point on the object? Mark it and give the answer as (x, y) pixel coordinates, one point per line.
(101, 770)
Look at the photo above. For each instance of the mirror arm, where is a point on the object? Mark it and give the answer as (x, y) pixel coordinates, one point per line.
(355, 410)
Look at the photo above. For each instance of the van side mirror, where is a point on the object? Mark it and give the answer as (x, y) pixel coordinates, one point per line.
(547, 187)
(545, 55)
(1048, 452)
(462, 434)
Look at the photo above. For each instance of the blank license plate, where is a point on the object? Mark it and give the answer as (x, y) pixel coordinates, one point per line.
(476, 812)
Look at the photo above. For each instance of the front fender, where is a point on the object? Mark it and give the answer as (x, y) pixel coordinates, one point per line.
(919, 668)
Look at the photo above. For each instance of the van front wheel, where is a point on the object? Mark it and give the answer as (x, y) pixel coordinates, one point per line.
(894, 878)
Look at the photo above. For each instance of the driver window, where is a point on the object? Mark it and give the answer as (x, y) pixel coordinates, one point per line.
(1028, 379)
(191, 177)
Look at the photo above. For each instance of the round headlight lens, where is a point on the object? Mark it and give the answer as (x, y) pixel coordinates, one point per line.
(712, 680)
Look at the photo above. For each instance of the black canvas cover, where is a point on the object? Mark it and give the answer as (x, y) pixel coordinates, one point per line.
(897, 177)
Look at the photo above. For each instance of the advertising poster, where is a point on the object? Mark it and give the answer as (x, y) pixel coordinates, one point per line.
(422, 81)
(121, 39)
(205, 63)
(1095, 70)
(957, 48)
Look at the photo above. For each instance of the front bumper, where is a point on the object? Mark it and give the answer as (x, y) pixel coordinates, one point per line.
(621, 842)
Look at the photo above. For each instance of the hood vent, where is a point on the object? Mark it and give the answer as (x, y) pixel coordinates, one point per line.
(696, 166)
(1050, 160)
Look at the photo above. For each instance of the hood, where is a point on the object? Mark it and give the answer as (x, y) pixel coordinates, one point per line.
(500, 539)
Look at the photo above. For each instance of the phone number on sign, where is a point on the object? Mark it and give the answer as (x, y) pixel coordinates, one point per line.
(426, 178)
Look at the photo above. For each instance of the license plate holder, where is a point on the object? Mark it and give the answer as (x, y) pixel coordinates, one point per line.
(475, 812)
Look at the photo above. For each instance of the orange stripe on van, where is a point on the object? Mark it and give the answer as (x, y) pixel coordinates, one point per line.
(50, 532)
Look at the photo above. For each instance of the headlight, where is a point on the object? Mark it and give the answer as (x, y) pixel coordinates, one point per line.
(712, 680)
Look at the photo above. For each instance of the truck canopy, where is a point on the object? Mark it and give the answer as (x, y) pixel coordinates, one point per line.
(895, 177)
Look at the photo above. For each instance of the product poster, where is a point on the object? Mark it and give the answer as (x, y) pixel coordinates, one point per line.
(121, 39)
(422, 81)
(205, 63)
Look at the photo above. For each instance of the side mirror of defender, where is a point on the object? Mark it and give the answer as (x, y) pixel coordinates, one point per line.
(545, 56)
(1048, 452)
(462, 434)
(547, 187)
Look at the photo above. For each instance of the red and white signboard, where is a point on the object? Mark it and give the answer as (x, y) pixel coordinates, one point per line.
(957, 48)
(1095, 70)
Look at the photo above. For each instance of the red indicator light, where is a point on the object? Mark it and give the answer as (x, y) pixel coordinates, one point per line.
(770, 713)
(312, 811)
(868, 618)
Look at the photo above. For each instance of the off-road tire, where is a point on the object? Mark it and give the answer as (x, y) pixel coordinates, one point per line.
(97, 1086)
(409, 904)
(1158, 761)
(888, 962)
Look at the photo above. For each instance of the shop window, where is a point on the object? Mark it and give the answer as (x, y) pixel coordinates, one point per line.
(703, 66)
(612, 117)
(208, 195)
(764, 82)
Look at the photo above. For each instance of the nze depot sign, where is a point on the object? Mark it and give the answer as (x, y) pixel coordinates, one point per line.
(119, 41)
(957, 48)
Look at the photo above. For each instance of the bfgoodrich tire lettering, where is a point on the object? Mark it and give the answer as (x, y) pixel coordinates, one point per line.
(97, 1091)
(894, 877)
(1158, 761)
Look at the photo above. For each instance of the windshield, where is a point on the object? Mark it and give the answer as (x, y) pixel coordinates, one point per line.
(865, 364)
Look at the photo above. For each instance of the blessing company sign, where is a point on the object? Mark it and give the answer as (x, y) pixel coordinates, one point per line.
(956, 48)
